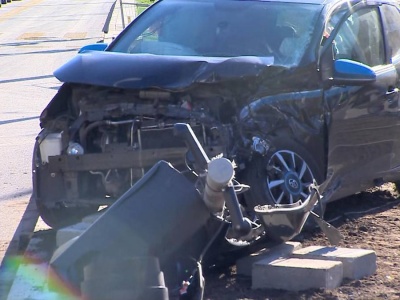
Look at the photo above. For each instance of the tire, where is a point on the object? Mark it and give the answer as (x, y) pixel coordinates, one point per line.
(55, 214)
(397, 185)
(282, 176)
(61, 216)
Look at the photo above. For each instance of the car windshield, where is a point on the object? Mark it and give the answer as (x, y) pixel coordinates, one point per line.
(277, 30)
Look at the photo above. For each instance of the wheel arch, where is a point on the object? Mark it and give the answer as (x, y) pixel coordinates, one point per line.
(269, 176)
(296, 116)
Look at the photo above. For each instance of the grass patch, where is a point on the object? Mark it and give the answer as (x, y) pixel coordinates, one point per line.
(148, 2)
(141, 8)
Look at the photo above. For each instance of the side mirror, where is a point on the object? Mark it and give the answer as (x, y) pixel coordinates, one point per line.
(349, 72)
(94, 47)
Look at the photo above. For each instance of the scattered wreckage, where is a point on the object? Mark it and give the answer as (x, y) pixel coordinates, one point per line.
(157, 239)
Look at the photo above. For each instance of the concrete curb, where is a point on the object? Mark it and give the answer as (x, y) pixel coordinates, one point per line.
(18, 244)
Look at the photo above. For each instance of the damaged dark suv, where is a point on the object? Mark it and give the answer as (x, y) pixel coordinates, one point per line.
(291, 91)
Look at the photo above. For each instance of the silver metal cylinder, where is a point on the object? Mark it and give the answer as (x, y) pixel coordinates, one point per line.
(220, 173)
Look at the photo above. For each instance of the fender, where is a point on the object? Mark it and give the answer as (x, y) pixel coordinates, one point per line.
(299, 115)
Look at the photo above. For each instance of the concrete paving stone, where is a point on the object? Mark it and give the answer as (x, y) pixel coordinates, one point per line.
(244, 265)
(294, 274)
(67, 233)
(92, 218)
(357, 263)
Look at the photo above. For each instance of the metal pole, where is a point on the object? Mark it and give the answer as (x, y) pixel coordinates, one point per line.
(122, 14)
(106, 26)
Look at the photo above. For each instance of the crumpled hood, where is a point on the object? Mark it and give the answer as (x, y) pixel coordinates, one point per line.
(138, 71)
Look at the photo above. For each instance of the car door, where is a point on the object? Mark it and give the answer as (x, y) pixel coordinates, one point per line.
(391, 22)
(361, 120)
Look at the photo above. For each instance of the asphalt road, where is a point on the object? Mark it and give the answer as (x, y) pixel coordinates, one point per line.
(36, 37)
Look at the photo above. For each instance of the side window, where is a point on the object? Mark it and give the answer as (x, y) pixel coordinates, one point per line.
(392, 21)
(360, 38)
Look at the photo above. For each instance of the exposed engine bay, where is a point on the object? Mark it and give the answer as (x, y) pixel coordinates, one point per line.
(100, 142)
(113, 118)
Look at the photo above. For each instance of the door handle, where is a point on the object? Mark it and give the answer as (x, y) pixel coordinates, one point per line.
(390, 94)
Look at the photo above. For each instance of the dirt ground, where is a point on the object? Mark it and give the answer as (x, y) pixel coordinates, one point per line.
(369, 220)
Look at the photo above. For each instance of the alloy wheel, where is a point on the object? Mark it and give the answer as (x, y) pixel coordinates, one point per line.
(289, 177)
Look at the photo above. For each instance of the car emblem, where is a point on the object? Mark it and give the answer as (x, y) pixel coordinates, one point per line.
(293, 184)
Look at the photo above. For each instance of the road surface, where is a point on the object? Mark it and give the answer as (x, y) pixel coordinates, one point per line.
(36, 37)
